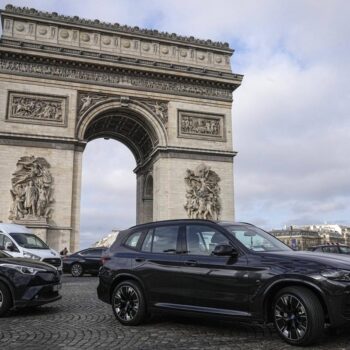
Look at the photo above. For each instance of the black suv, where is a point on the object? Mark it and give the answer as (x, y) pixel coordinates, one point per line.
(226, 269)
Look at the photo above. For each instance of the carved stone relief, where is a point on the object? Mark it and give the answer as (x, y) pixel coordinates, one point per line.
(159, 109)
(37, 109)
(201, 125)
(31, 190)
(203, 193)
(114, 79)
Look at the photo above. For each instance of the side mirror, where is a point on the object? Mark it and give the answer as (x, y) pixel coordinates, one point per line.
(9, 246)
(225, 250)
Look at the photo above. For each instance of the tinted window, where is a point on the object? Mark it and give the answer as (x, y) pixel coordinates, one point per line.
(201, 240)
(330, 249)
(344, 250)
(133, 239)
(93, 252)
(165, 239)
(147, 243)
(319, 249)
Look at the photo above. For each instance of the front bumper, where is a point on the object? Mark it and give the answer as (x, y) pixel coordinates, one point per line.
(39, 295)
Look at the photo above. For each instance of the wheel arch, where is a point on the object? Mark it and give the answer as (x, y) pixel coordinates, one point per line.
(10, 287)
(125, 277)
(271, 292)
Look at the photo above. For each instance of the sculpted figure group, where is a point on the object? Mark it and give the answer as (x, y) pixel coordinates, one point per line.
(31, 189)
(33, 108)
(202, 197)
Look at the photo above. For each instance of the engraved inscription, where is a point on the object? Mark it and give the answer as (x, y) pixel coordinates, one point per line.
(194, 124)
(38, 109)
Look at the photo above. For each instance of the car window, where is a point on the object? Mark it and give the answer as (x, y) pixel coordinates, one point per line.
(344, 250)
(133, 239)
(147, 243)
(165, 239)
(318, 249)
(202, 239)
(3, 240)
(330, 249)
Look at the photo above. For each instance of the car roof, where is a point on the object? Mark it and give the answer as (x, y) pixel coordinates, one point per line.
(192, 221)
(13, 228)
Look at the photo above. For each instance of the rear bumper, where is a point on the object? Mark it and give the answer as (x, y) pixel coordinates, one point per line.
(103, 291)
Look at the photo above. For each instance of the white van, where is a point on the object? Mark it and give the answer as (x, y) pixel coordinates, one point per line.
(19, 242)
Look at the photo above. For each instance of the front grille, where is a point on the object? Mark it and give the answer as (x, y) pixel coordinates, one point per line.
(53, 261)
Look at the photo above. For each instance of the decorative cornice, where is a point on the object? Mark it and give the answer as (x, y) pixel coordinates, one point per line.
(29, 65)
(151, 33)
(121, 60)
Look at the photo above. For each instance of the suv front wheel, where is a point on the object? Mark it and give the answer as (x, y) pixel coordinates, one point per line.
(128, 303)
(298, 316)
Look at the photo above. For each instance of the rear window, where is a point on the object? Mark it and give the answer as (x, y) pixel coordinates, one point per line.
(133, 239)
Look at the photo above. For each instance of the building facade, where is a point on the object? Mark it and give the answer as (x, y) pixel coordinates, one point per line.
(65, 81)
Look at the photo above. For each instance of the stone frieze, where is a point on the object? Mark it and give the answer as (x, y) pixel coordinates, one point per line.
(36, 108)
(201, 125)
(115, 78)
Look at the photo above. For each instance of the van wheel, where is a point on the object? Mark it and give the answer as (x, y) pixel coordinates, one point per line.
(76, 270)
(5, 299)
(298, 316)
(128, 303)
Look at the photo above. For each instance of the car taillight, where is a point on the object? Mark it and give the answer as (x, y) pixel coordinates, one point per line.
(104, 259)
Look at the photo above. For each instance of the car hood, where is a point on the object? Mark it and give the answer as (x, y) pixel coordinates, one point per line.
(43, 253)
(327, 259)
(28, 263)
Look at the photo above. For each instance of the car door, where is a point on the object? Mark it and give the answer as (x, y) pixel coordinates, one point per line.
(92, 259)
(158, 264)
(214, 283)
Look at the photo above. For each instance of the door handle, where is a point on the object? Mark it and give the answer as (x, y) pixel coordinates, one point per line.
(191, 262)
(139, 260)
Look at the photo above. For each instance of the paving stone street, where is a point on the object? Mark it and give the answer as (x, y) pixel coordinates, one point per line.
(81, 321)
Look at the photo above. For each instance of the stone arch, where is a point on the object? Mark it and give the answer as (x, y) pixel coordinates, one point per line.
(136, 110)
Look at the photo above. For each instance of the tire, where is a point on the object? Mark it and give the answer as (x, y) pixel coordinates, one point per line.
(76, 270)
(298, 316)
(128, 303)
(5, 299)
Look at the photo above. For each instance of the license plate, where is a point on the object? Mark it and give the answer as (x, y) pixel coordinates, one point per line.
(57, 287)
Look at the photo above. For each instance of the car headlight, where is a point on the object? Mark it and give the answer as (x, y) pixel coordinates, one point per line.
(31, 256)
(337, 275)
(26, 270)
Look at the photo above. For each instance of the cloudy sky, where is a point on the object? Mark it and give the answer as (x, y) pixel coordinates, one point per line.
(290, 116)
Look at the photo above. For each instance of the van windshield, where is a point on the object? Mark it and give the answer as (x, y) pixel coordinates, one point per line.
(28, 240)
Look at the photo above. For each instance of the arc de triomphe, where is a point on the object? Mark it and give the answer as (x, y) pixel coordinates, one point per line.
(65, 81)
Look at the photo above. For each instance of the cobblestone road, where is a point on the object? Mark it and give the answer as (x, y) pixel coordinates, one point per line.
(81, 321)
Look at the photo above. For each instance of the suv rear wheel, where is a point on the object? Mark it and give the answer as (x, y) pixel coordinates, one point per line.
(128, 303)
(5, 299)
(298, 316)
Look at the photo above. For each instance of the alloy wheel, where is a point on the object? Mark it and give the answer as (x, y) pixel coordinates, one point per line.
(126, 303)
(290, 317)
(77, 270)
(1, 298)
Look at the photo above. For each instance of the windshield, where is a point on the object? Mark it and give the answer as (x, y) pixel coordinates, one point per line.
(256, 239)
(4, 255)
(28, 240)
